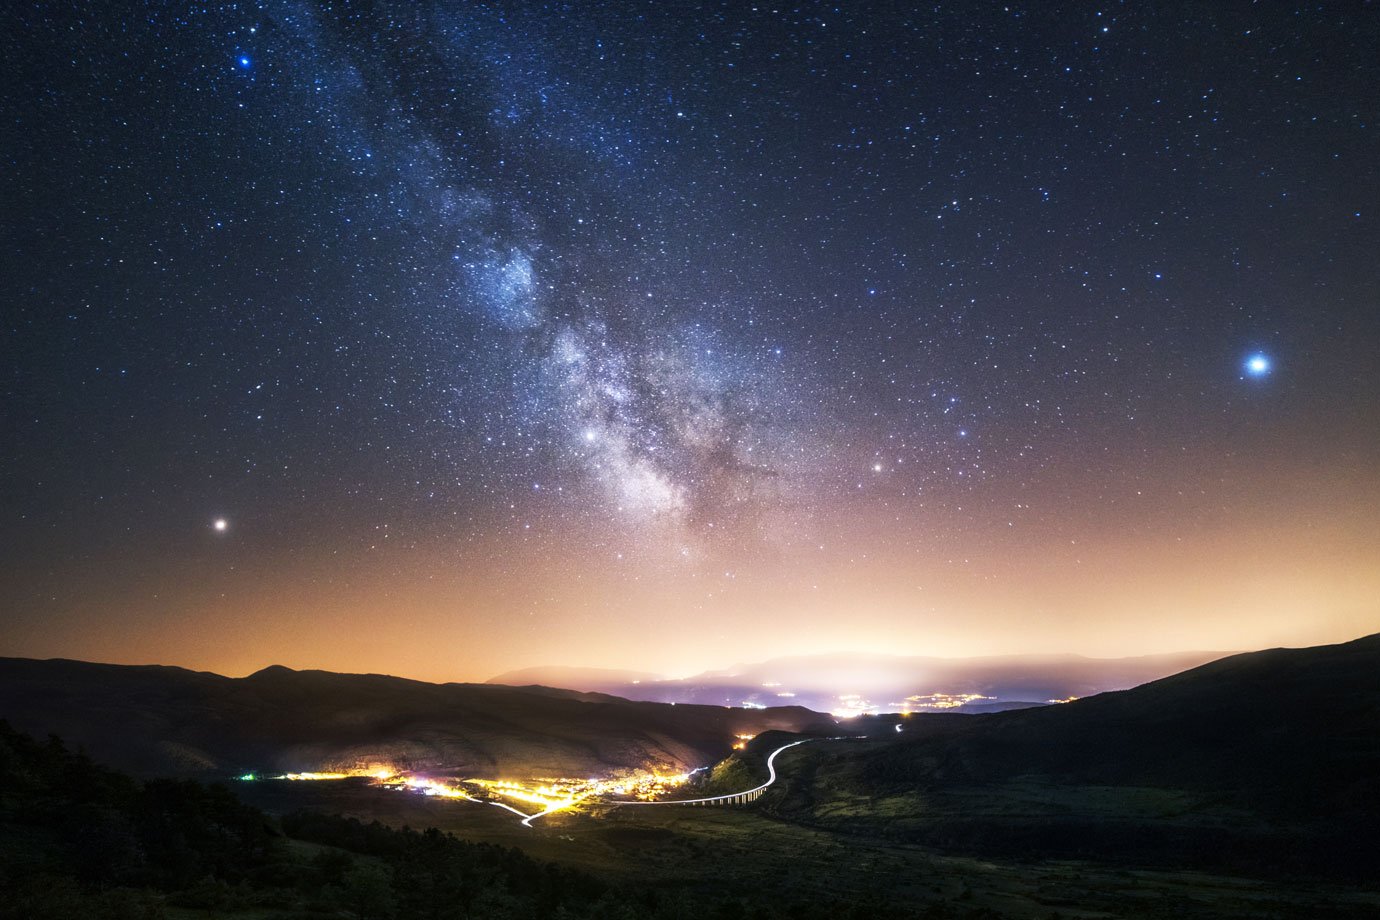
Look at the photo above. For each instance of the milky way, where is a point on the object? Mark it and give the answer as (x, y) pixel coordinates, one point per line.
(613, 316)
(596, 372)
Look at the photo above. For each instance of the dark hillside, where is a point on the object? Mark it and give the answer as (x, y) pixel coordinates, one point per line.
(1286, 727)
(78, 840)
(1259, 763)
(161, 720)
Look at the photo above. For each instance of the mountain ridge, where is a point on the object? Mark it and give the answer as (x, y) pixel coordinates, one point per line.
(161, 719)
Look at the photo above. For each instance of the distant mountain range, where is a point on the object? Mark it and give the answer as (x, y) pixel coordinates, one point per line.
(858, 683)
(165, 720)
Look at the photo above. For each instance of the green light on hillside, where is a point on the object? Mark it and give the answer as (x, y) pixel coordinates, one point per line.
(247, 778)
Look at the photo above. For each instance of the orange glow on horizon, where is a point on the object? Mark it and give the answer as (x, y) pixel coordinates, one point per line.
(1243, 579)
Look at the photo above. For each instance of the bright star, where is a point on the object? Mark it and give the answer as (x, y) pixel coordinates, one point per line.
(244, 62)
(1258, 365)
(220, 525)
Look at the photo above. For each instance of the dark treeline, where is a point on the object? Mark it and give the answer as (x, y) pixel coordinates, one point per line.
(80, 840)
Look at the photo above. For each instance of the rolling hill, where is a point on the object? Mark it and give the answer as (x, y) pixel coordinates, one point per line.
(163, 720)
(1271, 757)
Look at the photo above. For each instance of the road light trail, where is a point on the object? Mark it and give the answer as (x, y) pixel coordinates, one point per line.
(527, 821)
(757, 790)
(521, 814)
(561, 806)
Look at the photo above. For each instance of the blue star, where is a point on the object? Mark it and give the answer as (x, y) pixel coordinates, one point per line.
(1258, 365)
(244, 62)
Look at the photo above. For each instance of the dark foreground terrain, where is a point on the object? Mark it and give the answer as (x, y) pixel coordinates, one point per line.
(80, 841)
(1244, 788)
(77, 840)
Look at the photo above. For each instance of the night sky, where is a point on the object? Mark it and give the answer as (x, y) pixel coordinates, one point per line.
(440, 339)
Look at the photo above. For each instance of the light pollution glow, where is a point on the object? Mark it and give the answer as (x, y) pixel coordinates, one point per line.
(675, 346)
(1238, 579)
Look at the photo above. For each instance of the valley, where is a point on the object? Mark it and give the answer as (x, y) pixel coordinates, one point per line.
(1179, 798)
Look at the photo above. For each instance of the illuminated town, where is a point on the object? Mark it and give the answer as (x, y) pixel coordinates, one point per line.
(548, 794)
(851, 705)
(941, 701)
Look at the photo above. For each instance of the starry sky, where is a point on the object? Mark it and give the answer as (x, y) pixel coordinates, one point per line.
(445, 338)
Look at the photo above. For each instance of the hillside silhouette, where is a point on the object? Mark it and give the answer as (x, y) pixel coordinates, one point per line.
(1260, 760)
(169, 721)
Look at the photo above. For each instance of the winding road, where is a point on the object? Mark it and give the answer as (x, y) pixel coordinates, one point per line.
(747, 796)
